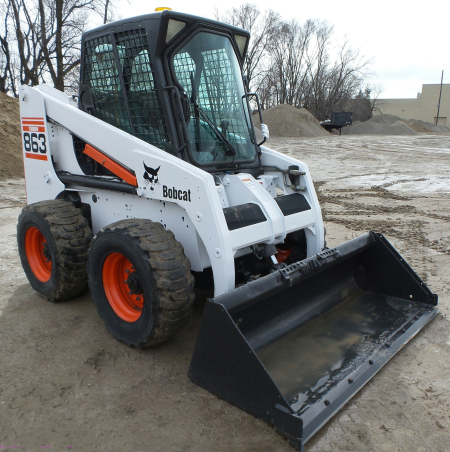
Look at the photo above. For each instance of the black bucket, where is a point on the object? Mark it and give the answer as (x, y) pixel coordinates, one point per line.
(293, 347)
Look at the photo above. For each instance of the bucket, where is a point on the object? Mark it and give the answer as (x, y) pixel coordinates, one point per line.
(293, 347)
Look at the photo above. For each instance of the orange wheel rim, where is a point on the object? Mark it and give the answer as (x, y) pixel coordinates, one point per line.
(38, 254)
(282, 255)
(122, 287)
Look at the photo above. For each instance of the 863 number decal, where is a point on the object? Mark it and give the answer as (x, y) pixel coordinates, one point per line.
(34, 142)
(34, 138)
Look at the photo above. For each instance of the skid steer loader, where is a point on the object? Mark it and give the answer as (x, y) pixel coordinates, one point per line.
(153, 181)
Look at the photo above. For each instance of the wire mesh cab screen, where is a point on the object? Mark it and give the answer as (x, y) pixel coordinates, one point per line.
(118, 72)
(208, 64)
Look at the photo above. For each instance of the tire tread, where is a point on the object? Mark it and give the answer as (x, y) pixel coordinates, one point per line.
(173, 280)
(72, 236)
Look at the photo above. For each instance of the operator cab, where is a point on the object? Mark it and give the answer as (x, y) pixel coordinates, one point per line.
(174, 81)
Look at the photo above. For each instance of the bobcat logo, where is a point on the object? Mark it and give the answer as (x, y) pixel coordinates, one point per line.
(151, 176)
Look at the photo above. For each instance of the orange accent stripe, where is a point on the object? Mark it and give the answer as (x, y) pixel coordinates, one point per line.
(110, 164)
(28, 155)
(28, 129)
(39, 119)
(33, 123)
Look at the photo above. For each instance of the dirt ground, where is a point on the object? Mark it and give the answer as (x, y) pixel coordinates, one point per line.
(66, 383)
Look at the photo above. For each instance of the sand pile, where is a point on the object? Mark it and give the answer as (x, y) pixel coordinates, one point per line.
(426, 127)
(288, 121)
(384, 120)
(418, 127)
(11, 161)
(380, 125)
(387, 124)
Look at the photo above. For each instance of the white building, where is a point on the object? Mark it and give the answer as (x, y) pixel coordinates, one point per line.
(424, 107)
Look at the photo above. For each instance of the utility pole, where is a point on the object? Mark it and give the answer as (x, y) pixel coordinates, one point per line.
(440, 94)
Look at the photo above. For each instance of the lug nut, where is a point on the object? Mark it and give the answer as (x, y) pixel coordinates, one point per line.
(129, 293)
(350, 380)
(127, 271)
(138, 298)
(126, 281)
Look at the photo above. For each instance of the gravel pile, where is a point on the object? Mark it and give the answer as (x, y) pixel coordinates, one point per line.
(288, 121)
(387, 124)
(10, 138)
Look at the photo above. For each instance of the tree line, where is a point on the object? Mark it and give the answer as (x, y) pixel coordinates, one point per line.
(287, 62)
(303, 65)
(40, 40)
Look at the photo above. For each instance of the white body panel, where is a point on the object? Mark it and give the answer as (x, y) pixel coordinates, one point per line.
(41, 181)
(186, 199)
(108, 207)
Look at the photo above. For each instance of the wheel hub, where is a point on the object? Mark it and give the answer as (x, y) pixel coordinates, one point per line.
(122, 287)
(38, 254)
(46, 251)
(134, 284)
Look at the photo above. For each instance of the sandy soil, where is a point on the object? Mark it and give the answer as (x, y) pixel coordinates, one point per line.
(10, 138)
(287, 121)
(66, 383)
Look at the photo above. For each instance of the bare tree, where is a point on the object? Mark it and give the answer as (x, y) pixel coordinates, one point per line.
(40, 40)
(262, 28)
(374, 91)
(6, 56)
(25, 25)
(287, 78)
(298, 64)
(62, 22)
(106, 9)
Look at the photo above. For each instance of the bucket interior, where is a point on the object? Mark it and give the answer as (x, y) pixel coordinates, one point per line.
(317, 332)
(309, 361)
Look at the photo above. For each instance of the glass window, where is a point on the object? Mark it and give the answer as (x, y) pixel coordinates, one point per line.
(208, 67)
(135, 99)
(146, 113)
(101, 74)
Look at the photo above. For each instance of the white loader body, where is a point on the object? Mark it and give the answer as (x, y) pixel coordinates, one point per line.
(183, 197)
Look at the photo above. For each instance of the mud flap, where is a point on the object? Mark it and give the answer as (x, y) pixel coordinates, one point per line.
(293, 347)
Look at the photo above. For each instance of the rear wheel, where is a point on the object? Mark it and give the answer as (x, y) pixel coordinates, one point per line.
(140, 281)
(53, 239)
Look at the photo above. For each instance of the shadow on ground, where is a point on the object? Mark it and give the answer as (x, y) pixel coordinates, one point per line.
(66, 382)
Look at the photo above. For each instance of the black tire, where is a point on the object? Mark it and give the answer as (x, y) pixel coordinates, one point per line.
(67, 237)
(164, 280)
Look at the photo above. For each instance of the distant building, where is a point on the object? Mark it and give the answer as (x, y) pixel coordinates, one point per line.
(424, 107)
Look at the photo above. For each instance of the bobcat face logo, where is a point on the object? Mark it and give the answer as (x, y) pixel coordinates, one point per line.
(151, 176)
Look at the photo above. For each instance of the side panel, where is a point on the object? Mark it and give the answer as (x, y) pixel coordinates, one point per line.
(62, 148)
(194, 190)
(108, 207)
(40, 177)
(315, 232)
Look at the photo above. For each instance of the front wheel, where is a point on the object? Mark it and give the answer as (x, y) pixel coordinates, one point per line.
(140, 282)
